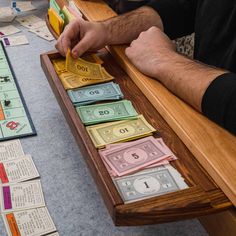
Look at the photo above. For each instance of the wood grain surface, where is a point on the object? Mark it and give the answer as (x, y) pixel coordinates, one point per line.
(220, 224)
(203, 197)
(212, 146)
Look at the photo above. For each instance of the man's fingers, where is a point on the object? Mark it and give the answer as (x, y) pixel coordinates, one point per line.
(70, 33)
(81, 47)
(58, 46)
(132, 43)
(62, 45)
(66, 44)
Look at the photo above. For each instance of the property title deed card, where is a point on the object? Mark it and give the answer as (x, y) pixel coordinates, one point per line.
(10, 150)
(33, 222)
(21, 196)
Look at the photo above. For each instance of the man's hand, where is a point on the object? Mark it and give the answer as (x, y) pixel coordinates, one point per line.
(150, 50)
(153, 53)
(81, 36)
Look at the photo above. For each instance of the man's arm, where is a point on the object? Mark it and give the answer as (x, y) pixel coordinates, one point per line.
(208, 89)
(127, 27)
(81, 36)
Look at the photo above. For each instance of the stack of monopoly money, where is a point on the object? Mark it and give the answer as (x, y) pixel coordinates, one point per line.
(126, 158)
(149, 183)
(95, 93)
(22, 203)
(86, 69)
(119, 131)
(71, 80)
(113, 111)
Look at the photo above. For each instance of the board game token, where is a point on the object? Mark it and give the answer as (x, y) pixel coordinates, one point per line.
(7, 103)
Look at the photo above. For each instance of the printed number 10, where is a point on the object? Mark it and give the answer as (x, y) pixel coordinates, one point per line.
(125, 130)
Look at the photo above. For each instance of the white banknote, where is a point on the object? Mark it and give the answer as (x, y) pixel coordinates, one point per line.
(149, 183)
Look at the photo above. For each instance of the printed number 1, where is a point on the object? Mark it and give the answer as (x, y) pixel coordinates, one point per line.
(146, 185)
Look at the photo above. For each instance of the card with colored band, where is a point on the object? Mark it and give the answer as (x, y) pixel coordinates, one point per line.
(8, 30)
(21, 196)
(18, 170)
(33, 222)
(10, 150)
(12, 41)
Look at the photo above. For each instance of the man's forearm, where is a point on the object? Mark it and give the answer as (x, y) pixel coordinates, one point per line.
(186, 78)
(125, 28)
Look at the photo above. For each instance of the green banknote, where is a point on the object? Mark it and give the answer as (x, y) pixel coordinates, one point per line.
(54, 5)
(112, 111)
(118, 131)
(94, 93)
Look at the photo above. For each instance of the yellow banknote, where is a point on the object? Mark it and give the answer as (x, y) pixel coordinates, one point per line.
(59, 65)
(72, 81)
(83, 68)
(106, 75)
(119, 131)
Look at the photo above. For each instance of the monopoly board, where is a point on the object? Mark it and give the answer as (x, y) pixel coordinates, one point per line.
(15, 121)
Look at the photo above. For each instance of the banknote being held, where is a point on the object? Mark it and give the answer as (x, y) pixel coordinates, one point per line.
(77, 73)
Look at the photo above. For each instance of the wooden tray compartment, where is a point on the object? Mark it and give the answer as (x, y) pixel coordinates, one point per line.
(211, 145)
(202, 198)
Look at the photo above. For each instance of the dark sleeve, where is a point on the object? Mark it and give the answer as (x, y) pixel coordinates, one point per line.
(219, 101)
(178, 16)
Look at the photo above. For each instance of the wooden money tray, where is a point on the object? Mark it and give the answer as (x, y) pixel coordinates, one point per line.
(203, 196)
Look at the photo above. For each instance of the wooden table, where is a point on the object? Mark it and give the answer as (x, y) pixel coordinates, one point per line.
(207, 153)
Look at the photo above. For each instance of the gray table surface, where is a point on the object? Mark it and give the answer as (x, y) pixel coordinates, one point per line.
(70, 192)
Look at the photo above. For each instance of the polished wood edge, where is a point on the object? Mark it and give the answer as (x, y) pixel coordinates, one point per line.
(198, 202)
(192, 202)
(212, 146)
(109, 192)
(223, 223)
(212, 156)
